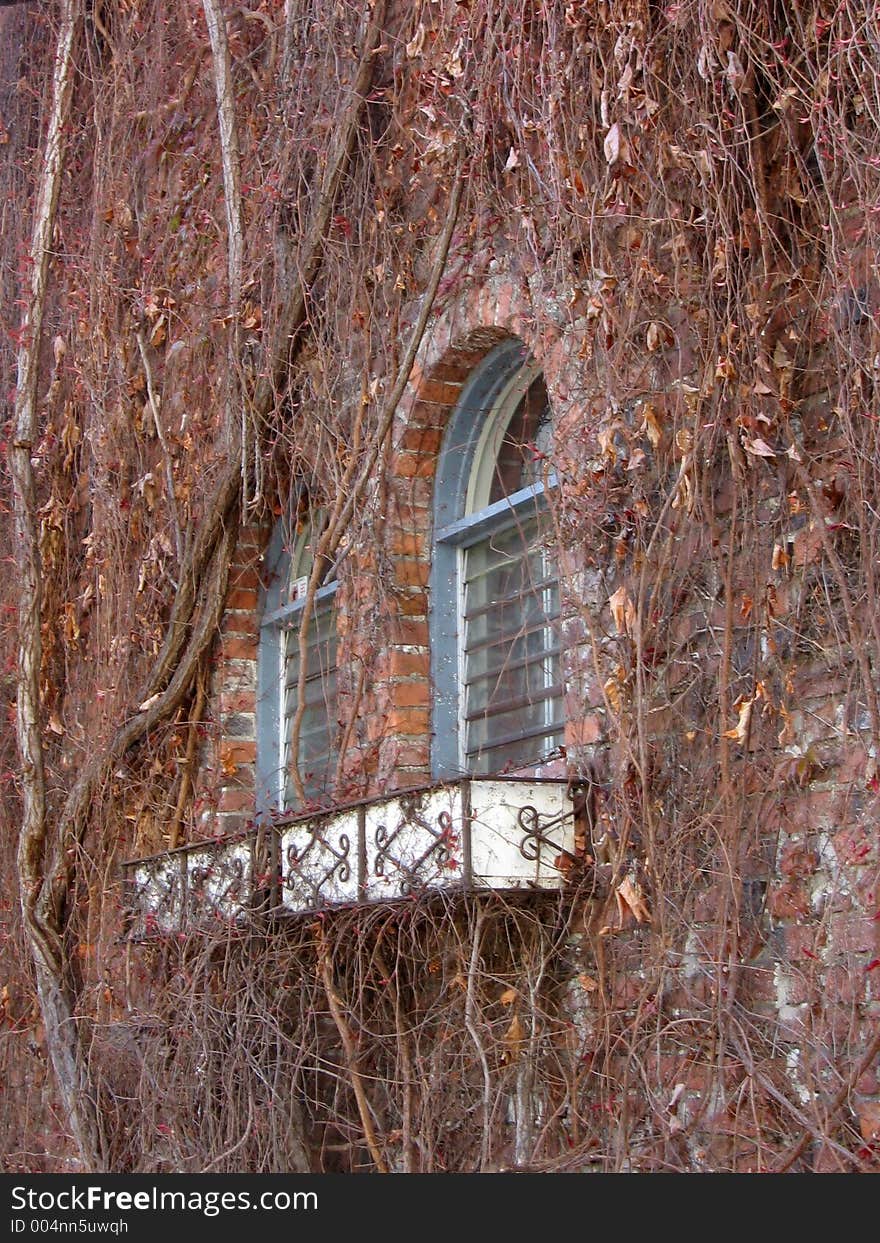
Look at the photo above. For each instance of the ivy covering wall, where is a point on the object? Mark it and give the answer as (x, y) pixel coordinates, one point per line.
(250, 255)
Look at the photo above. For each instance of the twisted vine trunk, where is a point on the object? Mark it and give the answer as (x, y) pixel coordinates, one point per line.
(44, 921)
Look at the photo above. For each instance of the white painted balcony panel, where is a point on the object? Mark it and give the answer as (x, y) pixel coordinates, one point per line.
(414, 842)
(218, 884)
(519, 832)
(157, 895)
(320, 861)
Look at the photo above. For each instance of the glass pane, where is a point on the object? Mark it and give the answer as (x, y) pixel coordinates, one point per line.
(512, 664)
(526, 440)
(517, 754)
(317, 737)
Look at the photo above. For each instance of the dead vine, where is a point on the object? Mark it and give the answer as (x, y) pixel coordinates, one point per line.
(234, 231)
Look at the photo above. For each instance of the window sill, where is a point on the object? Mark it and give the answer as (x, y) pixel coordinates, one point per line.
(488, 833)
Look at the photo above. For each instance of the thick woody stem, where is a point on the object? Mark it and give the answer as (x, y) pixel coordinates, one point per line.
(44, 929)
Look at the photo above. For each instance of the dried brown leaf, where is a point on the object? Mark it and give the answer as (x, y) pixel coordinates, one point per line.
(622, 610)
(631, 900)
(758, 448)
(611, 145)
(740, 731)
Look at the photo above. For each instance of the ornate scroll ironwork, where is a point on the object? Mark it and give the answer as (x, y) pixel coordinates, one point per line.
(410, 873)
(536, 832)
(305, 869)
(217, 889)
(479, 832)
(194, 888)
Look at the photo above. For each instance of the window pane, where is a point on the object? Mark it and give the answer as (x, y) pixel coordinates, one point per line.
(317, 738)
(526, 438)
(512, 666)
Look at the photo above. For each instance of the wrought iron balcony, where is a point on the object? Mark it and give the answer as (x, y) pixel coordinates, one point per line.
(479, 833)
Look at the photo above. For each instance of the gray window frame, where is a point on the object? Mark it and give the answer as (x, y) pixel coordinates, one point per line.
(454, 529)
(275, 619)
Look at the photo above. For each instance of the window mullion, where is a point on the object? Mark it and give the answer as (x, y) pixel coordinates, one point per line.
(460, 657)
(281, 740)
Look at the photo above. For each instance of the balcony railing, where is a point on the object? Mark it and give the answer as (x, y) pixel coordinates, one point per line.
(479, 833)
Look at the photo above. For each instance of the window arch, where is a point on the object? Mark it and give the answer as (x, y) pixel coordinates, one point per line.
(289, 563)
(496, 661)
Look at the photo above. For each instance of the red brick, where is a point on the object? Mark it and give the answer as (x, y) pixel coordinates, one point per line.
(238, 753)
(239, 649)
(855, 934)
(415, 694)
(419, 490)
(797, 860)
(413, 755)
(243, 598)
(409, 633)
(803, 940)
(410, 517)
(413, 604)
(408, 543)
(244, 577)
(422, 439)
(236, 799)
(242, 624)
(406, 664)
(439, 392)
(409, 721)
(237, 701)
(459, 363)
(413, 466)
(697, 991)
(789, 900)
(452, 370)
(844, 983)
(409, 573)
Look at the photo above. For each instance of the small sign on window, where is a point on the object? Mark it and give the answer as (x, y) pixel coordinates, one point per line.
(298, 588)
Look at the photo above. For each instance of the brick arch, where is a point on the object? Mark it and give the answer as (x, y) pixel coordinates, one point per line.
(456, 344)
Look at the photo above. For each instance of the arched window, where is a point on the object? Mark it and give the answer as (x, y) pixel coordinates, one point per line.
(290, 559)
(494, 588)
